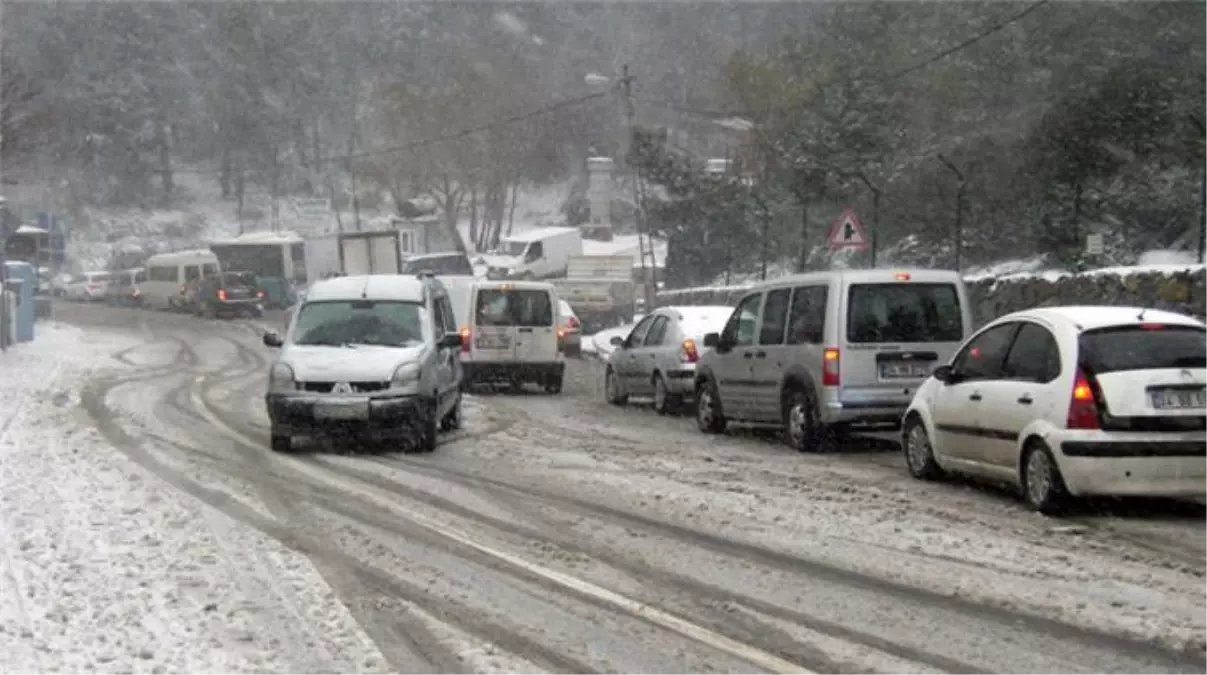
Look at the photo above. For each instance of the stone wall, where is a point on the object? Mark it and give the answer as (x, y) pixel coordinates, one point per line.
(1179, 290)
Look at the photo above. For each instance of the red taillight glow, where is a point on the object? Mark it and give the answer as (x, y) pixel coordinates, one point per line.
(901, 276)
(222, 294)
(1083, 409)
(689, 353)
(1152, 326)
(260, 295)
(465, 342)
(572, 323)
(829, 367)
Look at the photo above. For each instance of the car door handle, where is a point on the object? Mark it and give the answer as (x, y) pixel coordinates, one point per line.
(975, 397)
(760, 355)
(1026, 399)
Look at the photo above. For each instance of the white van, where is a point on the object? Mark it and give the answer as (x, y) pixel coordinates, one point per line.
(535, 254)
(818, 352)
(169, 275)
(511, 334)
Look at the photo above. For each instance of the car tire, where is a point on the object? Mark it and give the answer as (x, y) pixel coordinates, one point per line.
(612, 389)
(452, 421)
(281, 443)
(919, 451)
(665, 402)
(1042, 484)
(553, 385)
(802, 430)
(710, 413)
(429, 432)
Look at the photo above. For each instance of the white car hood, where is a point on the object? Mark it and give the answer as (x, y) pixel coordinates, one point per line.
(312, 363)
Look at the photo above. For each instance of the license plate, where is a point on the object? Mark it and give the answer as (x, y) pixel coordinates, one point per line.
(1177, 399)
(342, 410)
(905, 371)
(493, 342)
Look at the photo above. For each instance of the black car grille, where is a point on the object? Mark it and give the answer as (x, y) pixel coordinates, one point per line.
(357, 387)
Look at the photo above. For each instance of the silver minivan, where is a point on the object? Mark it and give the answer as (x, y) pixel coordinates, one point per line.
(816, 353)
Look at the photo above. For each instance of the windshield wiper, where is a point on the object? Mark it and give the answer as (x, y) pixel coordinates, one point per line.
(327, 343)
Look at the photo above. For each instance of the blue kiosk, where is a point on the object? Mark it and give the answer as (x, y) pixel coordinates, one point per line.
(21, 279)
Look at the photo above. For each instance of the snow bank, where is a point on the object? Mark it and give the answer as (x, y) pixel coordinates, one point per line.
(105, 568)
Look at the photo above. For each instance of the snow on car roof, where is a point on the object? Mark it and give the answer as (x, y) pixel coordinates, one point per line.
(431, 256)
(1089, 317)
(402, 288)
(699, 320)
(284, 237)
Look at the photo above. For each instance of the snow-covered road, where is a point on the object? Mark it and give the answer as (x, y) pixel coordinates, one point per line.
(147, 527)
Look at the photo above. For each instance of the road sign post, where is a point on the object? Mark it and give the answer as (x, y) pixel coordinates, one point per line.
(848, 232)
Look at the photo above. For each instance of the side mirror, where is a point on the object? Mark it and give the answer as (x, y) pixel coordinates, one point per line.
(616, 341)
(451, 341)
(944, 374)
(272, 340)
(712, 340)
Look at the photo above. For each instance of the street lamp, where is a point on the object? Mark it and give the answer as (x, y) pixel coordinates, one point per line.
(959, 235)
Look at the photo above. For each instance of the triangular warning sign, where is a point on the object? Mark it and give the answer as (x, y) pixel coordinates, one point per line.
(847, 232)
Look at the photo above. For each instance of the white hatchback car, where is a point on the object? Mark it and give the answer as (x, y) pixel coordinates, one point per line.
(1069, 401)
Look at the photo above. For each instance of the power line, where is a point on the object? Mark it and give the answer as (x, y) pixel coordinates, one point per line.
(969, 42)
(938, 56)
(435, 140)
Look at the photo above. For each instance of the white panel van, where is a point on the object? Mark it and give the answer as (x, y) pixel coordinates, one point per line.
(511, 334)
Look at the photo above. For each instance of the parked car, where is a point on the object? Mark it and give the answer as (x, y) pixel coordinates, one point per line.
(448, 263)
(658, 357)
(815, 354)
(88, 287)
(570, 330)
(1065, 402)
(228, 294)
(368, 356)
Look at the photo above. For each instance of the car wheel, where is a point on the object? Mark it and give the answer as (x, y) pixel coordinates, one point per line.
(710, 416)
(664, 401)
(1043, 486)
(553, 385)
(452, 420)
(282, 443)
(426, 442)
(613, 389)
(803, 431)
(919, 452)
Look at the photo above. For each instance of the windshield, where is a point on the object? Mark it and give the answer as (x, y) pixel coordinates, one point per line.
(359, 322)
(513, 248)
(514, 308)
(904, 312)
(1143, 348)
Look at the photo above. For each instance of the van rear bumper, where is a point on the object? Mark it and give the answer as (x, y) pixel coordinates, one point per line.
(837, 412)
(480, 372)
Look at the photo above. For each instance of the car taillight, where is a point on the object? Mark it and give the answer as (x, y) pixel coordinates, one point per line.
(1083, 408)
(222, 294)
(688, 352)
(465, 342)
(1152, 326)
(572, 323)
(829, 367)
(259, 295)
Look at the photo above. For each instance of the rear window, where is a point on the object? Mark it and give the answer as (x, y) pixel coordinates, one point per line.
(238, 279)
(497, 307)
(1143, 348)
(904, 312)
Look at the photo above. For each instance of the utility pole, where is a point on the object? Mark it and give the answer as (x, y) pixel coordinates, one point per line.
(649, 275)
(958, 243)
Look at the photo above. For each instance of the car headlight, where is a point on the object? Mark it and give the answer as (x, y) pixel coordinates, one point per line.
(405, 375)
(280, 378)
